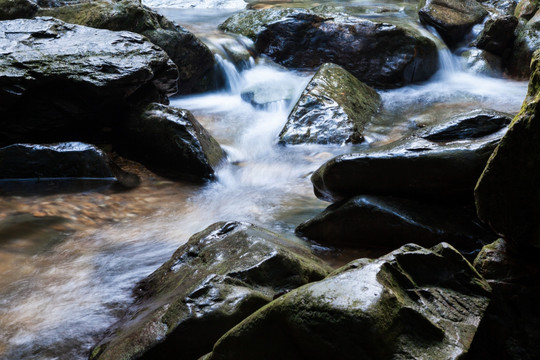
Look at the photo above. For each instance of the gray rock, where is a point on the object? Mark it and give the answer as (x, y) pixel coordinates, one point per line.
(333, 109)
(267, 94)
(171, 142)
(413, 303)
(525, 44)
(64, 82)
(482, 62)
(219, 277)
(15, 9)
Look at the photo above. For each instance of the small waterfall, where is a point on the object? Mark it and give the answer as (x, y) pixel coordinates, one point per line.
(229, 74)
(448, 62)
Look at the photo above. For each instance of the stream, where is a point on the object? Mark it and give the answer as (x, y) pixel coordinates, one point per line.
(69, 259)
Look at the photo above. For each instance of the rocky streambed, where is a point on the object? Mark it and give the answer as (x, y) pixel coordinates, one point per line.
(327, 181)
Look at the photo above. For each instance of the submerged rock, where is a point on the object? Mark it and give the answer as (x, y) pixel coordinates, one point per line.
(219, 277)
(334, 108)
(63, 160)
(470, 125)
(388, 222)
(508, 193)
(453, 19)
(69, 82)
(379, 54)
(413, 303)
(15, 9)
(191, 55)
(482, 62)
(412, 167)
(170, 142)
(267, 94)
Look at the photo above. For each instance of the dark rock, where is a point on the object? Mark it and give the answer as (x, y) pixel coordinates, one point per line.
(170, 142)
(192, 57)
(15, 9)
(509, 329)
(527, 41)
(470, 125)
(388, 222)
(453, 19)
(379, 54)
(498, 35)
(64, 82)
(63, 160)
(219, 277)
(334, 108)
(507, 194)
(412, 167)
(413, 303)
(482, 62)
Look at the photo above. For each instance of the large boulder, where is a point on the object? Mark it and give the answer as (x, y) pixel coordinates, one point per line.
(525, 44)
(333, 109)
(61, 82)
(413, 167)
(453, 19)
(385, 222)
(219, 277)
(413, 303)
(498, 35)
(507, 194)
(15, 9)
(170, 142)
(192, 57)
(377, 53)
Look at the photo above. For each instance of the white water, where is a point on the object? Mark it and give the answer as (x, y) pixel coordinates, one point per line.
(55, 304)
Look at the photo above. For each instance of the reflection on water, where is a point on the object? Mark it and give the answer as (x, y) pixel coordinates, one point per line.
(69, 260)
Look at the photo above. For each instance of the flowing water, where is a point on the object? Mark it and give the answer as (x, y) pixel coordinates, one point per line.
(69, 259)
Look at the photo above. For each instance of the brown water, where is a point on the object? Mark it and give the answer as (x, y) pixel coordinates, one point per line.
(69, 259)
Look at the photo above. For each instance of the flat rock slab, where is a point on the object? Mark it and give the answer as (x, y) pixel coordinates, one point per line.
(60, 81)
(333, 109)
(413, 303)
(218, 278)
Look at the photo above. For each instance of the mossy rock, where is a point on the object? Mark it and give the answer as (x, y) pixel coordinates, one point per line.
(218, 278)
(333, 109)
(413, 303)
(508, 192)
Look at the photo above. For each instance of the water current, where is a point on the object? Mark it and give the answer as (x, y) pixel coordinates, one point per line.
(68, 260)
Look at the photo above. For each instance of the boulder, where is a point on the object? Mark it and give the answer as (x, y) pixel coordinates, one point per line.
(482, 62)
(386, 222)
(192, 57)
(452, 19)
(63, 160)
(507, 194)
(219, 277)
(498, 35)
(64, 82)
(526, 42)
(411, 167)
(526, 9)
(333, 109)
(469, 125)
(413, 303)
(170, 142)
(15, 9)
(509, 329)
(377, 53)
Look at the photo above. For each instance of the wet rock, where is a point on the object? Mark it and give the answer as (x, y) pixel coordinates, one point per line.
(388, 222)
(507, 194)
(526, 9)
(410, 168)
(509, 329)
(267, 94)
(482, 62)
(505, 7)
(379, 54)
(527, 41)
(192, 57)
(470, 125)
(219, 277)
(15, 9)
(413, 303)
(62, 160)
(170, 142)
(333, 109)
(453, 19)
(498, 35)
(64, 82)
